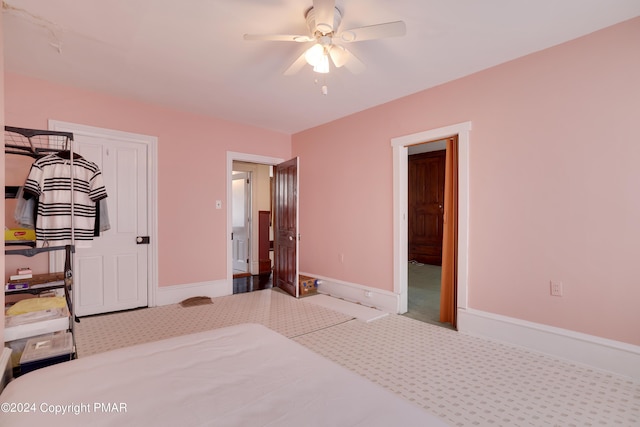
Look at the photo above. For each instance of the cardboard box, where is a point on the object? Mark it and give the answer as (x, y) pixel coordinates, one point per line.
(307, 285)
(20, 234)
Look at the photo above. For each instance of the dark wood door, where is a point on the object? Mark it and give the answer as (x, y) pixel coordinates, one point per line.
(426, 201)
(264, 243)
(285, 271)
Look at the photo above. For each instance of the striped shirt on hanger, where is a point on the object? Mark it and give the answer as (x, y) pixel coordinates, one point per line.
(50, 180)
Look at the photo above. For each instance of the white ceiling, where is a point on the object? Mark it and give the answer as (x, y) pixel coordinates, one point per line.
(190, 54)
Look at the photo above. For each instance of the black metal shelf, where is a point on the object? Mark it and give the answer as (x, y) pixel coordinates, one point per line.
(34, 291)
(35, 251)
(30, 243)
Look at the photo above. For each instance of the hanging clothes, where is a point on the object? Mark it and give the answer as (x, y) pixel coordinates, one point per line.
(102, 218)
(25, 213)
(50, 180)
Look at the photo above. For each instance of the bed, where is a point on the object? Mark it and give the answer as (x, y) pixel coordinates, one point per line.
(244, 375)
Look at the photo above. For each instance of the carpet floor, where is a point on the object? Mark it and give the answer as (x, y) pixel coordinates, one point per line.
(465, 380)
(275, 310)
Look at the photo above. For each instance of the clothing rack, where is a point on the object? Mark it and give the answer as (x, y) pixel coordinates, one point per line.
(37, 144)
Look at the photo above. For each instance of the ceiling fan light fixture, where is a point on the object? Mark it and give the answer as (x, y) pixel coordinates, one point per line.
(323, 21)
(323, 65)
(314, 54)
(339, 55)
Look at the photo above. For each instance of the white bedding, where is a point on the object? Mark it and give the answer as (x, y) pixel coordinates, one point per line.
(245, 375)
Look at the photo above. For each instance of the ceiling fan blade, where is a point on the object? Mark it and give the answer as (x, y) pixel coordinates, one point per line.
(378, 31)
(354, 64)
(324, 11)
(279, 37)
(296, 66)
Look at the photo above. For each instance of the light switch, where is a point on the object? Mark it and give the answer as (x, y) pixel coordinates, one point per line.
(218, 204)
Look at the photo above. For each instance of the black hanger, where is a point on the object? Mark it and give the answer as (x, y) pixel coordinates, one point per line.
(66, 154)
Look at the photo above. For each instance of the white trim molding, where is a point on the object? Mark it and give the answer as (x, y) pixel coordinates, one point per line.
(600, 353)
(400, 208)
(371, 297)
(176, 293)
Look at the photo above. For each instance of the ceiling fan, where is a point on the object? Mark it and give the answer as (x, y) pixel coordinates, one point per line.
(323, 20)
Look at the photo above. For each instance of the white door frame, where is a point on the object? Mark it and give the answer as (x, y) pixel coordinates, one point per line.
(400, 209)
(240, 157)
(152, 189)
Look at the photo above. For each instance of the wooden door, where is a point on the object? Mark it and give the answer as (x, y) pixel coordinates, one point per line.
(285, 271)
(264, 242)
(426, 201)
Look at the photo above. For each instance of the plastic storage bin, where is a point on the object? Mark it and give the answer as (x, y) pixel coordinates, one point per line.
(45, 351)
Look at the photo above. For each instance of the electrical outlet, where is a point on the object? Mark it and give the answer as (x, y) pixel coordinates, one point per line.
(556, 288)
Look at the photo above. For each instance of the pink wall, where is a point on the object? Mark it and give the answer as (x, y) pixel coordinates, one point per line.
(2, 156)
(191, 165)
(554, 180)
(553, 185)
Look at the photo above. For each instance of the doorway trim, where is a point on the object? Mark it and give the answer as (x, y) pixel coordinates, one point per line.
(400, 209)
(240, 157)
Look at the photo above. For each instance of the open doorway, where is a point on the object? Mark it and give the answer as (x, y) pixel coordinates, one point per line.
(400, 173)
(241, 217)
(426, 190)
(252, 231)
(284, 219)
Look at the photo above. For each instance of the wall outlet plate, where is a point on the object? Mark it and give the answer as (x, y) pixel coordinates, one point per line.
(556, 288)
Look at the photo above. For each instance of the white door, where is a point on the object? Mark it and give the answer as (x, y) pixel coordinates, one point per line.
(240, 212)
(112, 274)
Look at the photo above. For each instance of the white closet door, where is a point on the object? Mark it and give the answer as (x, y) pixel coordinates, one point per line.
(112, 274)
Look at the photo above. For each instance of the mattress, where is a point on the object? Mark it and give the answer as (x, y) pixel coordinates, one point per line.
(244, 375)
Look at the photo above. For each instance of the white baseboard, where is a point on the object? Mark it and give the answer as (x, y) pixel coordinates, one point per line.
(174, 294)
(600, 353)
(371, 297)
(6, 371)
